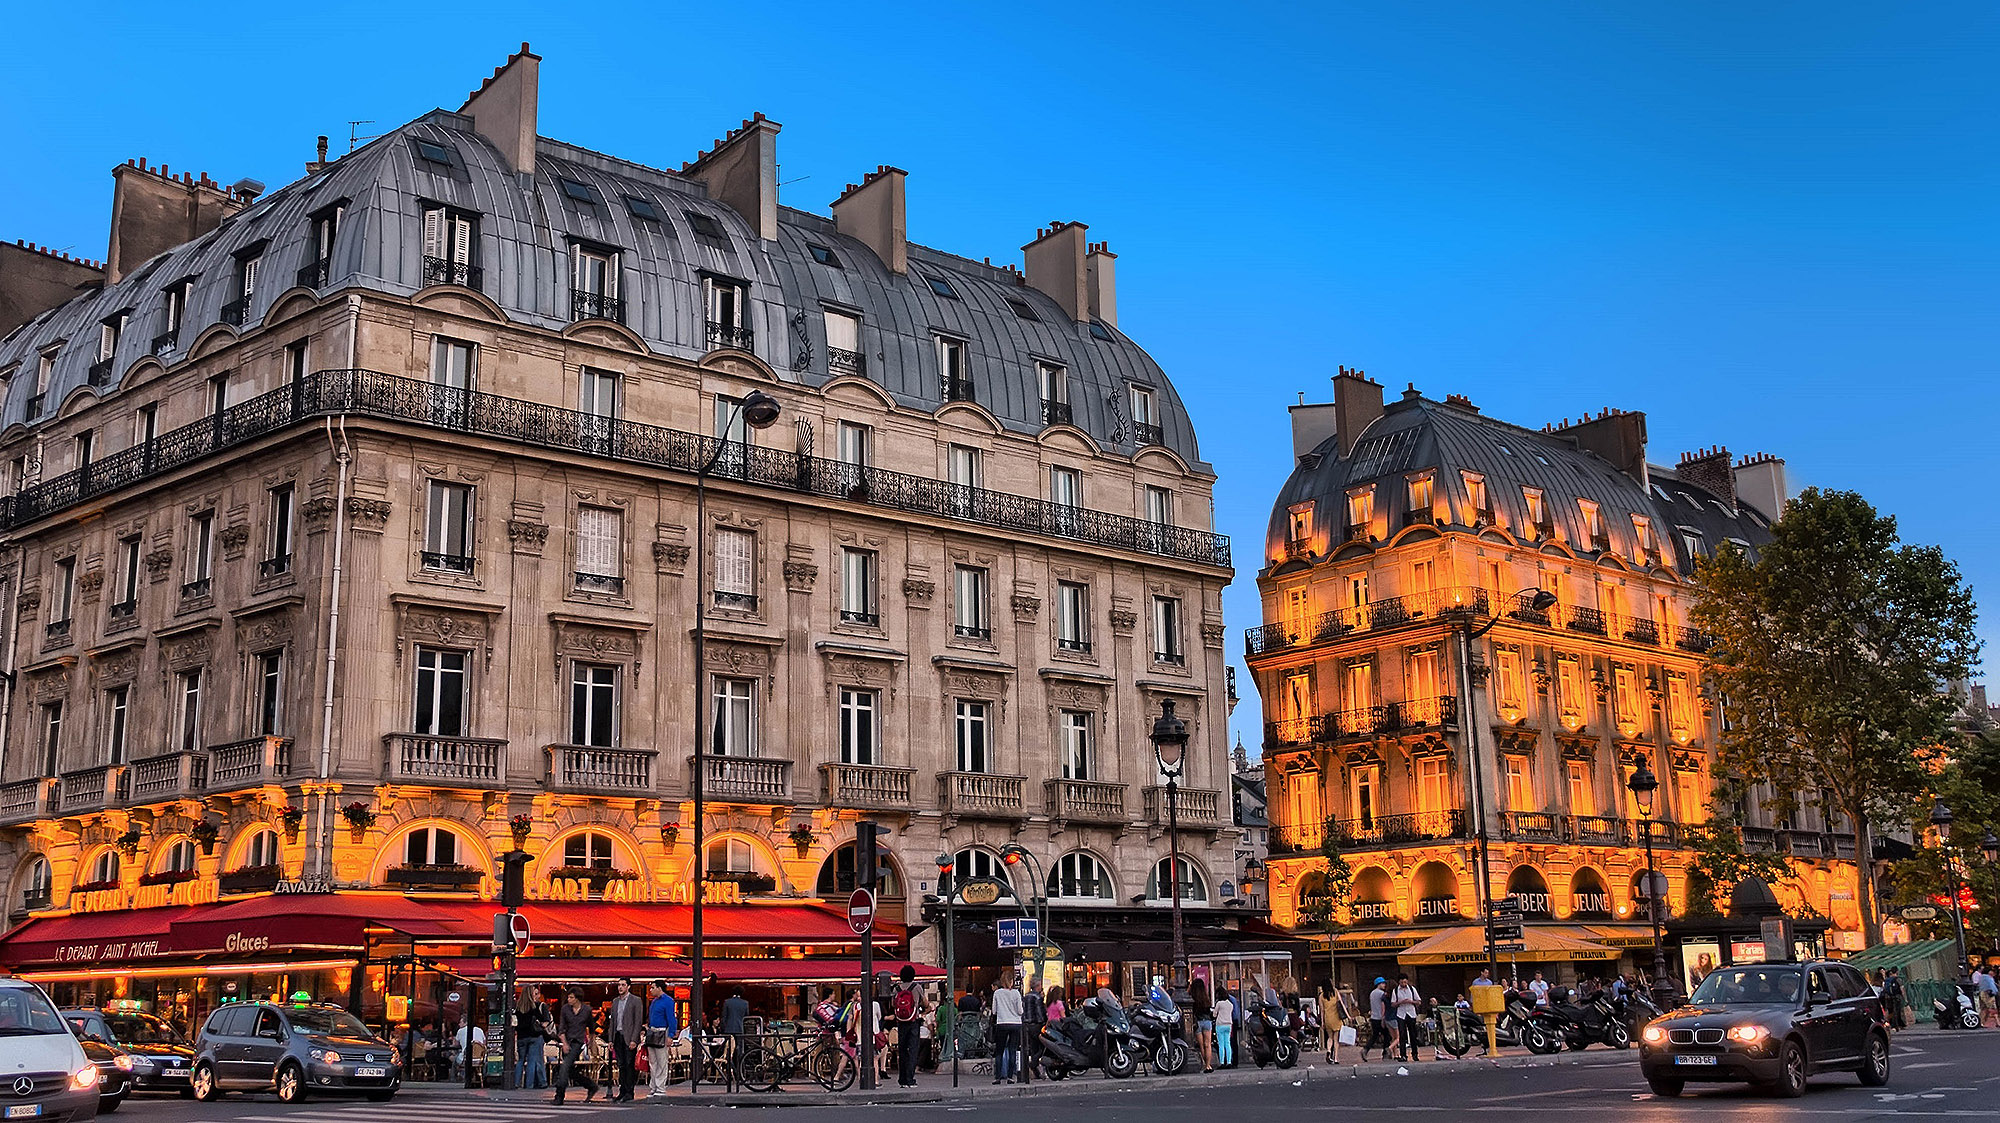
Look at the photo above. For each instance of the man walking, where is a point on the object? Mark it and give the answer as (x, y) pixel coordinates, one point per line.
(662, 1026)
(1378, 1019)
(903, 1011)
(1407, 1002)
(627, 1030)
(574, 1026)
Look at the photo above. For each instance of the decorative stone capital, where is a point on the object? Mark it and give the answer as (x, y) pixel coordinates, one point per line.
(368, 514)
(1123, 621)
(670, 557)
(800, 575)
(1026, 606)
(1213, 636)
(527, 537)
(233, 539)
(91, 581)
(317, 512)
(158, 561)
(919, 591)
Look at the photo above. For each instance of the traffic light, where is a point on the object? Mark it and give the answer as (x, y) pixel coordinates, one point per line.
(864, 854)
(514, 878)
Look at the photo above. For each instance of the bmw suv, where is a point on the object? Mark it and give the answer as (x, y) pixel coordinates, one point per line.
(44, 1074)
(293, 1050)
(1771, 1024)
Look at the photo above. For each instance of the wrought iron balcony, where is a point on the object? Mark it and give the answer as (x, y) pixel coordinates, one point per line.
(982, 795)
(1266, 638)
(359, 393)
(1641, 629)
(592, 768)
(731, 335)
(1170, 658)
(840, 361)
(1194, 808)
(169, 776)
(1084, 801)
(1146, 433)
(607, 583)
(751, 779)
(249, 763)
(1537, 826)
(449, 563)
(1079, 646)
(313, 274)
(959, 390)
(195, 589)
(1587, 620)
(275, 567)
(1372, 833)
(586, 305)
(1422, 713)
(100, 372)
(1362, 721)
(1395, 612)
(1689, 639)
(235, 311)
(1291, 732)
(1055, 413)
(441, 271)
(736, 602)
(866, 786)
(1422, 517)
(476, 762)
(164, 342)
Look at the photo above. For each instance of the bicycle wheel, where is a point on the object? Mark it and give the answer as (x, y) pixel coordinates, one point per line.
(760, 1068)
(833, 1068)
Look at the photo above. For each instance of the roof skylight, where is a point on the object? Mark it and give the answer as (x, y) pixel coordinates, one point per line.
(704, 226)
(941, 286)
(823, 255)
(642, 208)
(434, 152)
(1099, 331)
(581, 192)
(1022, 308)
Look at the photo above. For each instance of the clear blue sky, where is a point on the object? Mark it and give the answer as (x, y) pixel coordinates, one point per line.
(1769, 226)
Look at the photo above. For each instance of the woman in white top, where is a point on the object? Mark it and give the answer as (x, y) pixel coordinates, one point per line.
(1225, 1027)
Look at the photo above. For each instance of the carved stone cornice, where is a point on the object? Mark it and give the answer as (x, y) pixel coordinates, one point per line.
(800, 575)
(919, 591)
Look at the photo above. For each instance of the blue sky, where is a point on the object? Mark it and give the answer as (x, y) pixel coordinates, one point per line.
(1769, 226)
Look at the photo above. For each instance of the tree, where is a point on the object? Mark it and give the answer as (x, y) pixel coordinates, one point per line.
(1325, 907)
(1970, 785)
(1831, 655)
(1720, 858)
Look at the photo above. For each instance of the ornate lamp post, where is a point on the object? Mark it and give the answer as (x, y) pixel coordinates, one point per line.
(1989, 848)
(1170, 737)
(1941, 819)
(1644, 786)
(758, 410)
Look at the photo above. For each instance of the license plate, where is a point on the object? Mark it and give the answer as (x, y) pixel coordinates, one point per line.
(24, 1111)
(1700, 1060)
(371, 1072)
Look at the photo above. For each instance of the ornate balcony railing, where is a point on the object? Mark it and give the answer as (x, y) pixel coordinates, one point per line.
(758, 779)
(1144, 433)
(731, 335)
(275, 567)
(1084, 801)
(417, 401)
(25, 800)
(608, 583)
(1289, 731)
(195, 589)
(1598, 830)
(592, 768)
(1641, 629)
(100, 372)
(1373, 833)
(866, 786)
(1541, 826)
(439, 271)
(1195, 808)
(1422, 516)
(1422, 608)
(449, 563)
(479, 762)
(91, 789)
(982, 795)
(585, 305)
(169, 776)
(124, 609)
(313, 274)
(1588, 620)
(1055, 413)
(1422, 713)
(841, 361)
(246, 763)
(1760, 840)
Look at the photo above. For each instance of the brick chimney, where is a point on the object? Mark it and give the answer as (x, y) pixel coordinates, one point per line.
(1710, 470)
(1357, 404)
(872, 213)
(741, 172)
(1055, 261)
(1760, 484)
(1617, 436)
(153, 211)
(34, 279)
(1100, 279)
(503, 109)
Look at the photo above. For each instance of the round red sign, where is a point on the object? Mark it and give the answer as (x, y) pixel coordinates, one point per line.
(861, 911)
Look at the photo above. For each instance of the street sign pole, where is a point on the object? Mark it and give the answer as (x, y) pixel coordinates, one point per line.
(864, 865)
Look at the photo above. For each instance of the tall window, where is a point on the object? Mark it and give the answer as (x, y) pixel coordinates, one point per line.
(730, 855)
(106, 869)
(597, 394)
(967, 864)
(735, 578)
(1360, 511)
(262, 852)
(1360, 685)
(448, 528)
(1145, 414)
(1426, 680)
(1167, 631)
(1538, 511)
(1055, 393)
(591, 850)
(1187, 880)
(453, 363)
(1074, 728)
(593, 705)
(64, 601)
(246, 280)
(188, 710)
(1065, 487)
(1433, 784)
(1520, 787)
(278, 544)
(843, 343)
(854, 444)
(1420, 495)
(117, 715)
(325, 225)
(176, 308)
(974, 746)
(1593, 520)
(1512, 687)
(1364, 786)
(1691, 801)
(1626, 683)
(857, 587)
(1569, 692)
(52, 724)
(270, 692)
(295, 362)
(1300, 521)
(600, 549)
(1680, 706)
(431, 846)
(724, 299)
(951, 369)
(1079, 876)
(1159, 506)
(1475, 494)
(857, 726)
(451, 243)
(733, 730)
(1582, 799)
(1642, 536)
(201, 554)
(108, 334)
(1072, 616)
(969, 609)
(440, 702)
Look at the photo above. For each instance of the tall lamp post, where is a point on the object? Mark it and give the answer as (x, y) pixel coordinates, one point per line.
(1170, 737)
(948, 886)
(1644, 787)
(758, 410)
(1014, 854)
(1941, 819)
(1989, 848)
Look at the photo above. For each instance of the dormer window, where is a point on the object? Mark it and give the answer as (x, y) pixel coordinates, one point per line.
(108, 334)
(1055, 392)
(1475, 493)
(245, 284)
(1145, 416)
(843, 343)
(1300, 519)
(1691, 542)
(1419, 488)
(957, 381)
(173, 314)
(451, 247)
(580, 192)
(434, 153)
(725, 299)
(1538, 512)
(1360, 512)
(325, 225)
(1593, 522)
(593, 284)
(1642, 533)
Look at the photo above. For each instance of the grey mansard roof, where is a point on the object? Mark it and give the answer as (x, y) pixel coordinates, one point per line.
(526, 228)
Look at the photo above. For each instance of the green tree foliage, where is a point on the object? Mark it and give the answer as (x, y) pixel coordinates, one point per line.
(1323, 899)
(1832, 654)
(1720, 857)
(1970, 786)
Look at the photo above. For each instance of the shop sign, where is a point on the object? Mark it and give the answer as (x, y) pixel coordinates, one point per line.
(95, 953)
(634, 892)
(1437, 907)
(1532, 903)
(238, 942)
(981, 891)
(1590, 902)
(314, 884)
(1373, 910)
(196, 892)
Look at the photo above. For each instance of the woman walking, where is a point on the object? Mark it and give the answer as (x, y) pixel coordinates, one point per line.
(1225, 1026)
(1204, 1022)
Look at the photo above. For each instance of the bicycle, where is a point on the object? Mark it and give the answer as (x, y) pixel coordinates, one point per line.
(772, 1059)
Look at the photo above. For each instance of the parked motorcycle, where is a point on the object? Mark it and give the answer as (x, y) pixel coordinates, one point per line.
(1158, 1038)
(1089, 1037)
(1580, 1023)
(1269, 1036)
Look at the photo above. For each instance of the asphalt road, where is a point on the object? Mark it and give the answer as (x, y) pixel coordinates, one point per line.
(1942, 1076)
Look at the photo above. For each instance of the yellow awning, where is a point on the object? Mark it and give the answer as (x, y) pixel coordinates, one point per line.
(1620, 937)
(1468, 946)
(1362, 940)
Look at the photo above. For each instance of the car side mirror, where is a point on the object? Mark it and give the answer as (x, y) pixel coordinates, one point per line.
(1819, 997)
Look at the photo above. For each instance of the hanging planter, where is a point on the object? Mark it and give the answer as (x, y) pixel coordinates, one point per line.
(802, 838)
(205, 833)
(292, 818)
(128, 843)
(359, 818)
(521, 826)
(670, 833)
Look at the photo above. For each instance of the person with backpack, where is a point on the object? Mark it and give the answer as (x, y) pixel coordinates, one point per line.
(904, 1012)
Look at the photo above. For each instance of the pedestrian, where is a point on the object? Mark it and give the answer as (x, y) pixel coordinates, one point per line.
(1340, 1017)
(1378, 1019)
(1894, 998)
(1407, 1001)
(576, 1024)
(1006, 1029)
(1053, 1005)
(1225, 1028)
(1204, 1022)
(927, 1038)
(1539, 987)
(947, 1026)
(531, 1069)
(904, 1013)
(626, 1027)
(1034, 1015)
(1989, 994)
(663, 1024)
(469, 1035)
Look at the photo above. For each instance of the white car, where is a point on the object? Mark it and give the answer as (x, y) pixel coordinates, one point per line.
(44, 1075)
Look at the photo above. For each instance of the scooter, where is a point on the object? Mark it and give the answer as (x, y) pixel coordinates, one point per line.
(1582, 1024)
(1085, 1040)
(1964, 1014)
(1157, 1036)
(1268, 1037)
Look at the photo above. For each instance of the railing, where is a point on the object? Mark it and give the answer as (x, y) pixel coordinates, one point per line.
(1359, 722)
(600, 583)
(1422, 516)
(1536, 825)
(1419, 608)
(854, 616)
(1055, 413)
(1803, 844)
(450, 563)
(234, 311)
(100, 372)
(1291, 731)
(1641, 629)
(1843, 845)
(840, 361)
(979, 794)
(275, 567)
(439, 271)
(1193, 807)
(1170, 658)
(1268, 637)
(1419, 713)
(1690, 639)
(56, 629)
(740, 602)
(731, 335)
(1147, 434)
(1084, 801)
(1598, 830)
(433, 877)
(368, 393)
(594, 768)
(165, 341)
(1298, 548)
(763, 779)
(313, 274)
(169, 776)
(584, 305)
(245, 763)
(34, 899)
(195, 589)
(959, 390)
(1362, 721)
(1760, 840)
(1372, 833)
(866, 785)
(971, 631)
(1664, 834)
(1585, 620)
(1080, 646)
(91, 789)
(24, 800)
(124, 609)
(478, 761)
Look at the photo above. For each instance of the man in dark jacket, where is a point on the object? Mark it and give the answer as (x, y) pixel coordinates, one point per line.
(627, 1031)
(575, 1025)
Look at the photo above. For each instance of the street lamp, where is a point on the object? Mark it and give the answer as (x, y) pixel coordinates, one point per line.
(1941, 819)
(1170, 737)
(1014, 854)
(1644, 786)
(947, 867)
(758, 410)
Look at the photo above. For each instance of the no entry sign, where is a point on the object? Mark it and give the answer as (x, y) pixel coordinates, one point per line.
(861, 911)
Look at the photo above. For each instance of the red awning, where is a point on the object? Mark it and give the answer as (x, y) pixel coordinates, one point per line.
(95, 937)
(310, 922)
(538, 969)
(608, 922)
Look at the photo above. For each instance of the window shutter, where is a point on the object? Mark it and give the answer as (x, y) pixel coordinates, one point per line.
(461, 241)
(732, 562)
(843, 332)
(250, 278)
(611, 276)
(599, 541)
(434, 232)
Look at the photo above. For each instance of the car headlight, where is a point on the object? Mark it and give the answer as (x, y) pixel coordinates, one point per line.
(1653, 1035)
(324, 1056)
(83, 1079)
(123, 1061)
(1748, 1033)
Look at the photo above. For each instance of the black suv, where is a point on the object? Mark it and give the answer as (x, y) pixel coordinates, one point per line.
(159, 1057)
(1771, 1024)
(292, 1050)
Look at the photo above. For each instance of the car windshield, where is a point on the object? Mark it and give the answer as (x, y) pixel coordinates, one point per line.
(325, 1022)
(143, 1029)
(24, 1012)
(1750, 984)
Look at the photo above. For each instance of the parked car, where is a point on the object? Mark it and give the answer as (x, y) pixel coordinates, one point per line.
(293, 1050)
(1773, 1024)
(114, 1074)
(45, 1075)
(160, 1058)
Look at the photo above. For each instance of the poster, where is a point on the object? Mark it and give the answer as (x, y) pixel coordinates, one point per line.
(1746, 949)
(1698, 958)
